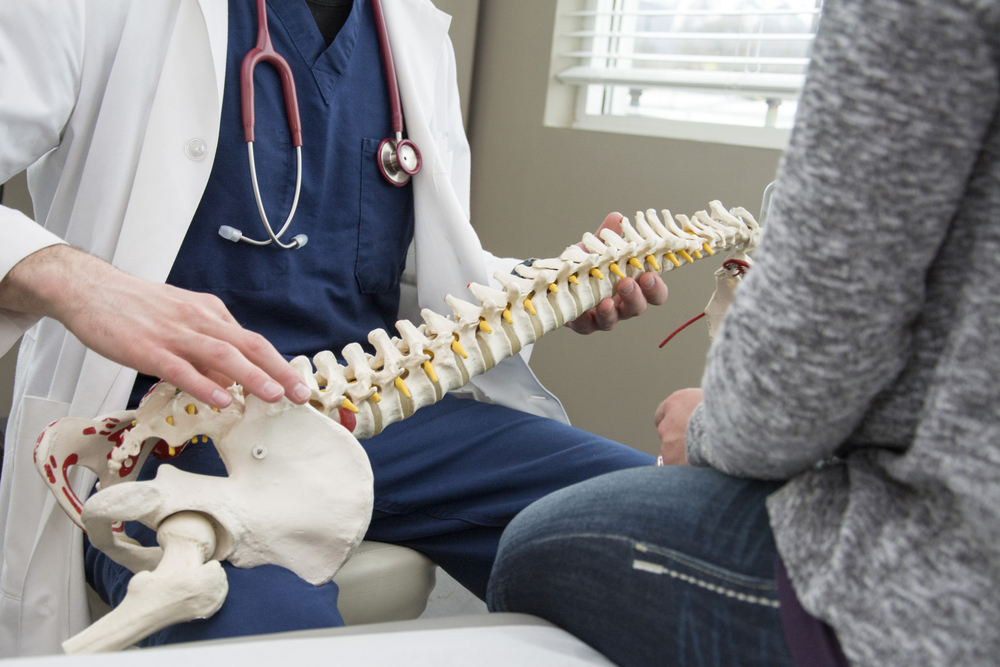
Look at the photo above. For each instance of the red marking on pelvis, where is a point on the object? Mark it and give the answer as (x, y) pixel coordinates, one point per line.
(89, 430)
(128, 465)
(72, 499)
(38, 442)
(161, 450)
(66, 489)
(347, 419)
(118, 437)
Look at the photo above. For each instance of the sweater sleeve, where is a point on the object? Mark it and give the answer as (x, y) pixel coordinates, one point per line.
(898, 98)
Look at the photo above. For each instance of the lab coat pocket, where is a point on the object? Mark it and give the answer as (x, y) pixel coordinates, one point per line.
(385, 226)
(446, 154)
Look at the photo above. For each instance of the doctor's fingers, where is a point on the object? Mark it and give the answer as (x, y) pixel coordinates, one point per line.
(180, 373)
(227, 351)
(653, 288)
(202, 367)
(628, 302)
(201, 331)
(612, 221)
(631, 302)
(601, 317)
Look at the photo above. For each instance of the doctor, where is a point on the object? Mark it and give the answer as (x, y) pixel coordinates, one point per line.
(128, 116)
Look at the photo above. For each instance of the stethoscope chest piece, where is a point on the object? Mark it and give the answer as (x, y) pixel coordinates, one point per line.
(398, 160)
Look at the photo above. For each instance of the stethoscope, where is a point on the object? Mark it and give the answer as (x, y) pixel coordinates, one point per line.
(398, 158)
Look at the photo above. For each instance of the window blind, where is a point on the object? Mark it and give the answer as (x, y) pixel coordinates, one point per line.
(751, 50)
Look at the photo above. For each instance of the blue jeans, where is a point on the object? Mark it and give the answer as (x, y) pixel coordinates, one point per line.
(664, 566)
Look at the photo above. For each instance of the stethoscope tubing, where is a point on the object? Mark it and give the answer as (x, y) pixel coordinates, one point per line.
(264, 52)
(396, 109)
(398, 158)
(275, 238)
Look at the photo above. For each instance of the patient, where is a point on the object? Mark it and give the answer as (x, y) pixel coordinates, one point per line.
(843, 503)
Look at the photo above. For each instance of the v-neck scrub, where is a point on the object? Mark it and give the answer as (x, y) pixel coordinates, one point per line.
(345, 281)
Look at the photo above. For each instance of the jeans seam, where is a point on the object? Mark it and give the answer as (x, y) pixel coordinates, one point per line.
(694, 565)
(653, 568)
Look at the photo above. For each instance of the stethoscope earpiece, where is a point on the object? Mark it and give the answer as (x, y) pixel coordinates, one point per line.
(230, 233)
(398, 160)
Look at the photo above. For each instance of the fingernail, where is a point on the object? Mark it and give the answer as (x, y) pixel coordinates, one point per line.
(272, 389)
(628, 288)
(221, 399)
(648, 281)
(301, 392)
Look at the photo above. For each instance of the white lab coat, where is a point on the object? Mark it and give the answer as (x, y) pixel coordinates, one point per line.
(103, 100)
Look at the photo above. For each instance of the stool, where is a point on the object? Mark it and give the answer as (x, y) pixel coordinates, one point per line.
(384, 582)
(380, 583)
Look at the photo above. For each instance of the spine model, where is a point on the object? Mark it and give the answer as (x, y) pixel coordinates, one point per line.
(425, 362)
(299, 489)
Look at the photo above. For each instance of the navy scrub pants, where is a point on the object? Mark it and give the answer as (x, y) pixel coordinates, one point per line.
(447, 482)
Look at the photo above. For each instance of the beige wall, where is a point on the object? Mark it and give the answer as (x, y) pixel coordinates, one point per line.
(537, 189)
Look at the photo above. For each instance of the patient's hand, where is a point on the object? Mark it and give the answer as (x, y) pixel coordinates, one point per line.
(628, 301)
(671, 420)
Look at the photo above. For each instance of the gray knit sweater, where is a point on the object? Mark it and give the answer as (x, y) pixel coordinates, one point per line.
(861, 359)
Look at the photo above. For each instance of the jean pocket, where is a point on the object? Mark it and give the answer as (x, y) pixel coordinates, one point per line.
(385, 226)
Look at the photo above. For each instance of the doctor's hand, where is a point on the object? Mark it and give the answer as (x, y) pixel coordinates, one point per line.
(188, 339)
(671, 420)
(631, 299)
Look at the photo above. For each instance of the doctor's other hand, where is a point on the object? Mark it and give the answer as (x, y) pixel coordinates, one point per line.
(188, 339)
(631, 299)
(671, 420)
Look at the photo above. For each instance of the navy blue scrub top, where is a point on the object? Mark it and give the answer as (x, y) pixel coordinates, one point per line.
(345, 281)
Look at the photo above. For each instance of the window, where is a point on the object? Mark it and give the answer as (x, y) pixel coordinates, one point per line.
(728, 71)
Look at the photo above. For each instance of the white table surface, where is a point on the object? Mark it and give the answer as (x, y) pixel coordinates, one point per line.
(491, 640)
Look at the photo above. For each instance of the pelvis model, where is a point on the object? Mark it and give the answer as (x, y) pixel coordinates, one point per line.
(299, 490)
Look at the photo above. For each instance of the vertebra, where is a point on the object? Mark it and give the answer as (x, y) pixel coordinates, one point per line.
(425, 362)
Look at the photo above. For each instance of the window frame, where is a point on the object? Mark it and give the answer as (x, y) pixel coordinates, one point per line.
(566, 98)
